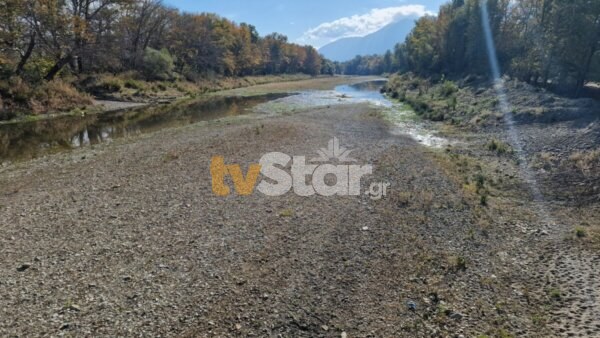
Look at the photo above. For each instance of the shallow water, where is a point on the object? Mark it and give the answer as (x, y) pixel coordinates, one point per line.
(402, 117)
(27, 140)
(356, 93)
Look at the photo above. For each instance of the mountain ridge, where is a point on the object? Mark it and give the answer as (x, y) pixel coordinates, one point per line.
(375, 43)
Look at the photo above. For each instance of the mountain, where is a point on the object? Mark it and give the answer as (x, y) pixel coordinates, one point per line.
(375, 43)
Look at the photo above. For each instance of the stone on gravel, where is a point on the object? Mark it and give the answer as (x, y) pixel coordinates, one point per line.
(23, 267)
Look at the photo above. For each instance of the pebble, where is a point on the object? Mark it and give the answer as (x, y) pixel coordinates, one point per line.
(456, 316)
(23, 267)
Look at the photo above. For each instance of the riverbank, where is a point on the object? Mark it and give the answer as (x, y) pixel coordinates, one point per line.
(244, 87)
(559, 136)
(46, 134)
(558, 153)
(120, 92)
(128, 238)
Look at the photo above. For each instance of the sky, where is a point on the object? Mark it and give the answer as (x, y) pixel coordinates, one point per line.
(313, 22)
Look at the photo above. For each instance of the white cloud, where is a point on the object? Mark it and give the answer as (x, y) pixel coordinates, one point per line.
(359, 25)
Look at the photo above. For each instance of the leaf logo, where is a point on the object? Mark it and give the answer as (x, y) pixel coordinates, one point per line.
(334, 151)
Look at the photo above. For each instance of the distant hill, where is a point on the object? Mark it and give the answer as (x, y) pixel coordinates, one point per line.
(375, 43)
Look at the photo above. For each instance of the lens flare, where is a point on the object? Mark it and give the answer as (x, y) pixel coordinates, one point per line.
(513, 135)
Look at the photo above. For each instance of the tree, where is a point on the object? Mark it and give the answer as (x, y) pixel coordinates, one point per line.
(143, 21)
(312, 64)
(158, 65)
(422, 46)
(387, 62)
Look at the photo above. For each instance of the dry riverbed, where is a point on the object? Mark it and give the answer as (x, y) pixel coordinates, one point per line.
(127, 238)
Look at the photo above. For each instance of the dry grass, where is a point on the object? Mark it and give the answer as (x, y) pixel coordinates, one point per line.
(586, 160)
(57, 95)
(499, 147)
(133, 87)
(321, 83)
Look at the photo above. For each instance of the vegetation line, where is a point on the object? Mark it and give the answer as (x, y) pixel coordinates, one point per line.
(54, 56)
(553, 44)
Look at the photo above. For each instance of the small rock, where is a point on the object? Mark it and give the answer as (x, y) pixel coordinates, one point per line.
(74, 307)
(365, 228)
(24, 267)
(325, 327)
(344, 335)
(238, 327)
(412, 306)
(456, 316)
(65, 326)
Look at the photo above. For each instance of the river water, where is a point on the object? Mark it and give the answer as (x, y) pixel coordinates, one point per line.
(27, 140)
(403, 119)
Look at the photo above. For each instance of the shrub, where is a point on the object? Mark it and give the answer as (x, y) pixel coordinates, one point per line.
(555, 294)
(580, 232)
(586, 160)
(498, 146)
(453, 102)
(458, 263)
(480, 181)
(448, 88)
(57, 95)
(133, 84)
(158, 65)
(419, 105)
(483, 200)
(111, 84)
(16, 90)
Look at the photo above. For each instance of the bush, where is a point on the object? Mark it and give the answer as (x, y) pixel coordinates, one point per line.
(57, 95)
(158, 65)
(15, 90)
(580, 232)
(133, 84)
(110, 84)
(586, 160)
(448, 88)
(499, 147)
(419, 105)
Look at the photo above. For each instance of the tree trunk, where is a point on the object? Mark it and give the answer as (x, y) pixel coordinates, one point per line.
(27, 54)
(80, 63)
(583, 74)
(57, 67)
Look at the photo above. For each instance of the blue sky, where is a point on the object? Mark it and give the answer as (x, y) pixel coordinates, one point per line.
(314, 22)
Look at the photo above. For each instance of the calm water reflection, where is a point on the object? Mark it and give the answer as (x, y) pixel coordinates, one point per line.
(28, 140)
